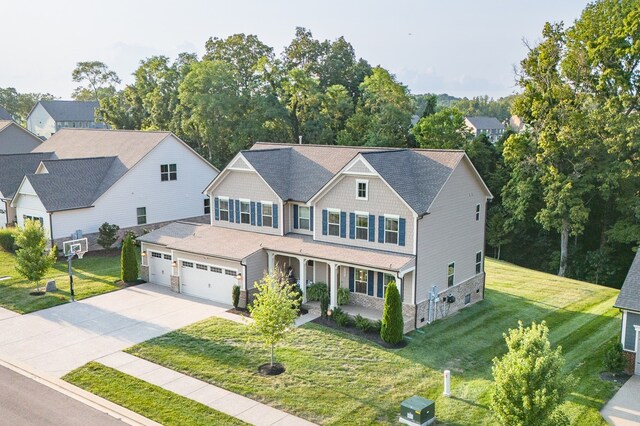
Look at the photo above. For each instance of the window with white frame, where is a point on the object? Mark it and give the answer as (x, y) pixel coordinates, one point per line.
(391, 229)
(304, 217)
(478, 262)
(386, 279)
(26, 217)
(224, 209)
(207, 206)
(477, 212)
(216, 269)
(168, 172)
(267, 214)
(187, 264)
(141, 213)
(362, 189)
(451, 272)
(334, 223)
(361, 280)
(362, 226)
(245, 212)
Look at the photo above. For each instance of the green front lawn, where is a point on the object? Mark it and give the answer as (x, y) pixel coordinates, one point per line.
(91, 276)
(334, 378)
(149, 400)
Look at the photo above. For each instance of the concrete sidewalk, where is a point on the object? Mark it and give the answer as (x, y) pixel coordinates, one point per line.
(624, 408)
(235, 405)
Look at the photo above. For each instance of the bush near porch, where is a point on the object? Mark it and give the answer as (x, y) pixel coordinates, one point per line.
(336, 378)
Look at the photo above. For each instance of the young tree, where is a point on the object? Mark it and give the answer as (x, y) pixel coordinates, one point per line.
(128, 261)
(108, 235)
(32, 260)
(392, 328)
(274, 308)
(529, 384)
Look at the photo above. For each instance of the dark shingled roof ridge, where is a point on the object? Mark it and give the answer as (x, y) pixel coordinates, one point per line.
(13, 167)
(61, 110)
(629, 297)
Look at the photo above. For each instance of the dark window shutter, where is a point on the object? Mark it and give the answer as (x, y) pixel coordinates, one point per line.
(237, 211)
(352, 281)
(325, 221)
(232, 216)
(253, 213)
(343, 224)
(381, 229)
(216, 206)
(275, 216)
(295, 216)
(380, 284)
(370, 283)
(352, 225)
(259, 211)
(310, 218)
(372, 228)
(402, 224)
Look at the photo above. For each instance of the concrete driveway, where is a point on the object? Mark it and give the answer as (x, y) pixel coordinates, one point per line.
(57, 340)
(624, 408)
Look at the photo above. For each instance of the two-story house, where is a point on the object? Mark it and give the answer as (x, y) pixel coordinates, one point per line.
(488, 126)
(352, 217)
(47, 117)
(629, 303)
(15, 139)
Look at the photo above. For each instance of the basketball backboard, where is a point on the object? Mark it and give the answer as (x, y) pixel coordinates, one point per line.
(75, 247)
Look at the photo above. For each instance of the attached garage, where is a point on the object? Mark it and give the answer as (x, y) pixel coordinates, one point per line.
(207, 281)
(160, 268)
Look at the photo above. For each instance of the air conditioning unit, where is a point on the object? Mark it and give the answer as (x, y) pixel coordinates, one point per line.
(417, 411)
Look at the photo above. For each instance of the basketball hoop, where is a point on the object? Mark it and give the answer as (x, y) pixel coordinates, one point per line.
(80, 254)
(70, 249)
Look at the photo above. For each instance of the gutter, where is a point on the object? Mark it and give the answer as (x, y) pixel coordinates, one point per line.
(51, 228)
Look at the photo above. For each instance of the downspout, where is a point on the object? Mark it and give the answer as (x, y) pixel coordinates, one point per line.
(415, 271)
(51, 229)
(244, 282)
(484, 244)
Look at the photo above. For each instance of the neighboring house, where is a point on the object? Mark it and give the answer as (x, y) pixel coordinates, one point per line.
(133, 179)
(15, 139)
(47, 117)
(489, 126)
(4, 114)
(516, 124)
(13, 167)
(353, 217)
(629, 302)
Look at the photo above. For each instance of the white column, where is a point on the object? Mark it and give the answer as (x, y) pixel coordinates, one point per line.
(271, 258)
(333, 271)
(303, 278)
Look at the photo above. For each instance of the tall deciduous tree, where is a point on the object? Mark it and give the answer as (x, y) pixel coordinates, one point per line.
(20, 104)
(99, 79)
(32, 260)
(444, 129)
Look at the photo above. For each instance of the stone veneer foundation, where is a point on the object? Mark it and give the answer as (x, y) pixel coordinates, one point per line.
(175, 283)
(631, 362)
(144, 272)
(377, 304)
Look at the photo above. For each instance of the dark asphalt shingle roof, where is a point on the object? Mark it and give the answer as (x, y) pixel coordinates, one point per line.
(4, 114)
(629, 297)
(71, 110)
(13, 167)
(485, 122)
(72, 183)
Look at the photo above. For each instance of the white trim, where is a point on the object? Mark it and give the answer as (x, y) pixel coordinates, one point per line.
(637, 328)
(454, 274)
(371, 171)
(366, 196)
(355, 236)
(329, 211)
(384, 229)
(624, 328)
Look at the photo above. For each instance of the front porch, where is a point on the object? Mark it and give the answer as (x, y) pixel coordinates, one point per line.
(371, 314)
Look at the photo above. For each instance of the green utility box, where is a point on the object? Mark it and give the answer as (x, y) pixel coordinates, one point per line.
(417, 411)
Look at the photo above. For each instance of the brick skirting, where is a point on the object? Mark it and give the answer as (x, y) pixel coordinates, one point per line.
(631, 362)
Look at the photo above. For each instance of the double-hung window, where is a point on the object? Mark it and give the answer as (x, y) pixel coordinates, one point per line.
(224, 209)
(387, 278)
(478, 262)
(33, 218)
(267, 214)
(141, 213)
(362, 189)
(362, 226)
(168, 172)
(451, 272)
(334, 223)
(391, 229)
(207, 206)
(245, 212)
(477, 212)
(304, 218)
(361, 280)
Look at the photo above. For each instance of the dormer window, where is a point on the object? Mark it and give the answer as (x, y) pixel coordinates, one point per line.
(168, 172)
(362, 189)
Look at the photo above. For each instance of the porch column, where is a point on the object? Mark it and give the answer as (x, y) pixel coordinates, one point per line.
(271, 256)
(333, 273)
(303, 277)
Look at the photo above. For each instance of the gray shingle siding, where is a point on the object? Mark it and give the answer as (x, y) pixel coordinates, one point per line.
(629, 297)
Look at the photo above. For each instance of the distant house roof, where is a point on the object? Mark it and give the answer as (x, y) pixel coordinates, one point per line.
(485, 122)
(71, 110)
(629, 297)
(13, 168)
(4, 114)
(298, 172)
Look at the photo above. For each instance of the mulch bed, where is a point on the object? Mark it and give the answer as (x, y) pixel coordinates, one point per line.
(245, 313)
(271, 370)
(37, 293)
(372, 336)
(125, 284)
(619, 378)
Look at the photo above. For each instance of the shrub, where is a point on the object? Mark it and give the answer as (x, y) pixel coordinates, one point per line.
(392, 327)
(324, 305)
(614, 360)
(316, 290)
(8, 239)
(108, 235)
(235, 295)
(376, 326)
(340, 317)
(128, 261)
(362, 323)
(344, 295)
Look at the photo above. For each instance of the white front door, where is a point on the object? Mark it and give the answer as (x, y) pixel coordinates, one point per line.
(207, 281)
(160, 268)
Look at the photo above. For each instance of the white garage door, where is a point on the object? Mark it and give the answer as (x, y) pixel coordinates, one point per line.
(160, 268)
(207, 281)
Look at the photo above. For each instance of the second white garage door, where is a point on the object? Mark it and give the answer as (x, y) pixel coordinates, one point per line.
(207, 281)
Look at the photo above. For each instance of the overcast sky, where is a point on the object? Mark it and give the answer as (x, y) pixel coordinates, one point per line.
(464, 48)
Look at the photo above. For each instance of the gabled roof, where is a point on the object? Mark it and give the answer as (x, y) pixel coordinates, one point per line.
(629, 297)
(73, 183)
(13, 168)
(5, 123)
(4, 114)
(71, 110)
(485, 122)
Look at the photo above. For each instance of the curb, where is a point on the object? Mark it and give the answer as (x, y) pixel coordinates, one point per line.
(116, 411)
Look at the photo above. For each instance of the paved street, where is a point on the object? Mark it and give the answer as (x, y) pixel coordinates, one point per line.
(24, 401)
